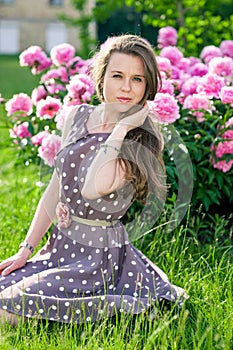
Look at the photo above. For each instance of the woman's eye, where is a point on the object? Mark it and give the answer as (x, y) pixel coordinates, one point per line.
(117, 76)
(137, 79)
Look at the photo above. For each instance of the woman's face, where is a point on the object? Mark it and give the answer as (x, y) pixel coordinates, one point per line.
(124, 82)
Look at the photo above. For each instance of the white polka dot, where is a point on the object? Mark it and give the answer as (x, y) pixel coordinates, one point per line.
(30, 302)
(133, 262)
(82, 155)
(75, 178)
(59, 237)
(65, 317)
(66, 246)
(75, 190)
(90, 243)
(57, 277)
(67, 304)
(71, 152)
(72, 165)
(115, 203)
(76, 227)
(82, 250)
(130, 274)
(81, 271)
(61, 289)
(54, 250)
(49, 284)
(126, 285)
(66, 187)
(91, 212)
(73, 255)
(103, 208)
(64, 174)
(84, 282)
(71, 280)
(97, 251)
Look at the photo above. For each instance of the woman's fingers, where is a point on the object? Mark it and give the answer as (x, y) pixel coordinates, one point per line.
(10, 265)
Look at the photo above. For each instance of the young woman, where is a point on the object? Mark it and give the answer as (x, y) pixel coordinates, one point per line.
(110, 156)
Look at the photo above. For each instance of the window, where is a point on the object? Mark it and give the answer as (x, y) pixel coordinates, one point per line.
(55, 2)
(55, 34)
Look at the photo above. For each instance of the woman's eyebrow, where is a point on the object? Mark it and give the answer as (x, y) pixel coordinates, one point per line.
(136, 75)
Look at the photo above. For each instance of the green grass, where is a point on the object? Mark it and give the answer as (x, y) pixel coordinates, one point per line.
(197, 256)
(203, 266)
(15, 79)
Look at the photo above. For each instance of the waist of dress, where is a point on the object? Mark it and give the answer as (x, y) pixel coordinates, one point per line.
(91, 222)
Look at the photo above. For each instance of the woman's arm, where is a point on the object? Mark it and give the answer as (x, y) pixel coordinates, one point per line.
(43, 217)
(106, 173)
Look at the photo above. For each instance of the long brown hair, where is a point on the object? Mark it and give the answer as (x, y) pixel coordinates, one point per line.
(141, 151)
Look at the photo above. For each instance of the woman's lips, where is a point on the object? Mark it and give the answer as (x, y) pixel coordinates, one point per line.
(124, 99)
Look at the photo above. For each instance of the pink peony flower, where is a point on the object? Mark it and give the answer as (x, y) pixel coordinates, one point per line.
(38, 138)
(222, 66)
(59, 73)
(223, 165)
(210, 84)
(172, 53)
(63, 215)
(165, 108)
(79, 66)
(199, 69)
(20, 131)
(48, 108)
(38, 94)
(62, 54)
(225, 147)
(167, 86)
(80, 88)
(189, 87)
(167, 36)
(226, 94)
(209, 52)
(35, 58)
(197, 103)
(164, 65)
(49, 147)
(228, 134)
(226, 47)
(19, 103)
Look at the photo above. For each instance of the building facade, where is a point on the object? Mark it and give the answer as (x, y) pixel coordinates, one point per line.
(35, 22)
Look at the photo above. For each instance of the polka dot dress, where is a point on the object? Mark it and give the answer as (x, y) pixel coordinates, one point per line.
(88, 270)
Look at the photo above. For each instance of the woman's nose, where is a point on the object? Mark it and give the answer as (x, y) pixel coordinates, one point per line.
(126, 86)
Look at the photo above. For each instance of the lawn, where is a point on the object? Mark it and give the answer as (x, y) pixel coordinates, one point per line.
(193, 259)
(13, 78)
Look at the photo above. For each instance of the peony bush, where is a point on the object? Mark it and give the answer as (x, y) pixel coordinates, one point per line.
(196, 97)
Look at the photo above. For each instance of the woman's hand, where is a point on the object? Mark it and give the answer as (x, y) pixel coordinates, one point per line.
(14, 262)
(134, 120)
